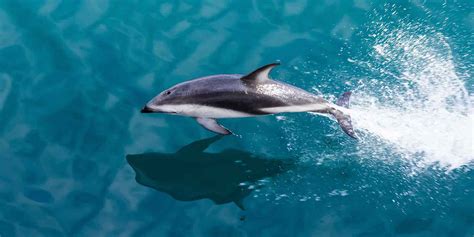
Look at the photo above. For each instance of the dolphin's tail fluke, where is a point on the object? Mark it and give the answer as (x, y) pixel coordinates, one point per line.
(344, 119)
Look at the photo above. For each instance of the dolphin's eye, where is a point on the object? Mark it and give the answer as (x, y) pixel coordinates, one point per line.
(168, 92)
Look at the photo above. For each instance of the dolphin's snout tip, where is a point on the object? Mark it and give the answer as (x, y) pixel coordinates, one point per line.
(146, 109)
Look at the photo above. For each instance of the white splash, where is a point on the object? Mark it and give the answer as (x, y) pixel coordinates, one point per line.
(428, 112)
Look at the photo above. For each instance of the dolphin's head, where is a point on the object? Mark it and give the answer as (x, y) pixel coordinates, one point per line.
(167, 101)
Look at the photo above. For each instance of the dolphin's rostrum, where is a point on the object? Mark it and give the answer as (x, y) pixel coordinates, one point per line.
(234, 96)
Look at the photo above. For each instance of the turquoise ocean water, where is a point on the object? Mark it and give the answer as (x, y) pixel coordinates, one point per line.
(79, 159)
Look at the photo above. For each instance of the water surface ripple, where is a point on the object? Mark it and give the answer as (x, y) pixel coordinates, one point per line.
(78, 159)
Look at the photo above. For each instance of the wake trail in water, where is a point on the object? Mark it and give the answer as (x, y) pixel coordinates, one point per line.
(428, 111)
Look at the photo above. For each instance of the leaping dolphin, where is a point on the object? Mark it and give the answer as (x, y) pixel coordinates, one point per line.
(235, 96)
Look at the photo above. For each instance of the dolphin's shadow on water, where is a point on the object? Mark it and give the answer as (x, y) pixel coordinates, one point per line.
(192, 174)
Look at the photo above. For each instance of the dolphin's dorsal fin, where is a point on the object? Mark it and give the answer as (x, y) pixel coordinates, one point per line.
(260, 74)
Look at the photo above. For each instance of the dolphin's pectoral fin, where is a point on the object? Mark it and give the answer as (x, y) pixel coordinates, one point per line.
(240, 204)
(212, 125)
(261, 74)
(198, 146)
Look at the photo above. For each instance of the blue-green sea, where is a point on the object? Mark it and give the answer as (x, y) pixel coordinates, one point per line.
(77, 158)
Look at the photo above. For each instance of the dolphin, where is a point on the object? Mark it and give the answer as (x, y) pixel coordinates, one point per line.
(236, 96)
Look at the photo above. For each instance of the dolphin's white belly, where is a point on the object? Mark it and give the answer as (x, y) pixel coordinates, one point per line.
(214, 112)
(296, 108)
(203, 111)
